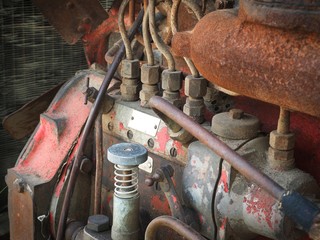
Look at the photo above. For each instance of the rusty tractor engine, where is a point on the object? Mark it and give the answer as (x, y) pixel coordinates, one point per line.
(195, 120)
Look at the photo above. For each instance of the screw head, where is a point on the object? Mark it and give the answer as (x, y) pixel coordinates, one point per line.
(98, 223)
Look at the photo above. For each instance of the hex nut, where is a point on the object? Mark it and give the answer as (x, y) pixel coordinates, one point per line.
(130, 68)
(130, 89)
(98, 223)
(174, 98)
(282, 142)
(150, 74)
(278, 155)
(195, 87)
(147, 92)
(281, 160)
(171, 80)
(194, 108)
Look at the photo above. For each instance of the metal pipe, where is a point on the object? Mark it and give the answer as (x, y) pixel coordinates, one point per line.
(283, 121)
(87, 129)
(174, 29)
(217, 146)
(132, 9)
(146, 38)
(176, 225)
(99, 164)
(122, 29)
(157, 39)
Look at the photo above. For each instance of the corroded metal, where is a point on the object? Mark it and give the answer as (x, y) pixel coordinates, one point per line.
(270, 64)
(287, 14)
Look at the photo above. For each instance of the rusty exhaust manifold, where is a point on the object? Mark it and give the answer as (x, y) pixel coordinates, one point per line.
(244, 54)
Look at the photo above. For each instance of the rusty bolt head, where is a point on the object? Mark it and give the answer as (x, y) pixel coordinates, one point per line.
(98, 223)
(19, 185)
(150, 74)
(236, 113)
(282, 142)
(130, 68)
(195, 87)
(86, 165)
(171, 80)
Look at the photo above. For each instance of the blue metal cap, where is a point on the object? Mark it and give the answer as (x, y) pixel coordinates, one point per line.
(127, 154)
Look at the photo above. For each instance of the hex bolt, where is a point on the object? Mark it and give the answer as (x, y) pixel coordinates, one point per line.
(126, 158)
(98, 223)
(236, 113)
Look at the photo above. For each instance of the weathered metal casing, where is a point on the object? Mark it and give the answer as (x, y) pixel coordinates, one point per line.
(242, 210)
(270, 64)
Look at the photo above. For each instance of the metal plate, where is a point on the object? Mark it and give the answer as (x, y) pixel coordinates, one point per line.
(144, 123)
(147, 166)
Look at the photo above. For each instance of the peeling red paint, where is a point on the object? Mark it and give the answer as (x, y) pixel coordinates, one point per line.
(260, 204)
(162, 139)
(121, 127)
(159, 205)
(224, 180)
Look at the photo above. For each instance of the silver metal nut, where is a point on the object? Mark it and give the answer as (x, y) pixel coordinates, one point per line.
(150, 74)
(171, 80)
(282, 142)
(130, 68)
(195, 87)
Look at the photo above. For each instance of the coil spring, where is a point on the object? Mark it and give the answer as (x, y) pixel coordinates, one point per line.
(126, 181)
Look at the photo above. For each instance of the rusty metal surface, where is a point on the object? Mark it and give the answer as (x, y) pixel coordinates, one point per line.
(300, 14)
(22, 122)
(178, 226)
(269, 64)
(72, 18)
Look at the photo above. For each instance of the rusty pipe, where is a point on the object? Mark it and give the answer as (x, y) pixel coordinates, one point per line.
(99, 165)
(283, 126)
(269, 64)
(176, 225)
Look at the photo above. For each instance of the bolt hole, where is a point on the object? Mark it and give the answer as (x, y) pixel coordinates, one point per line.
(173, 152)
(216, 109)
(214, 102)
(155, 126)
(130, 134)
(150, 143)
(227, 106)
(132, 118)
